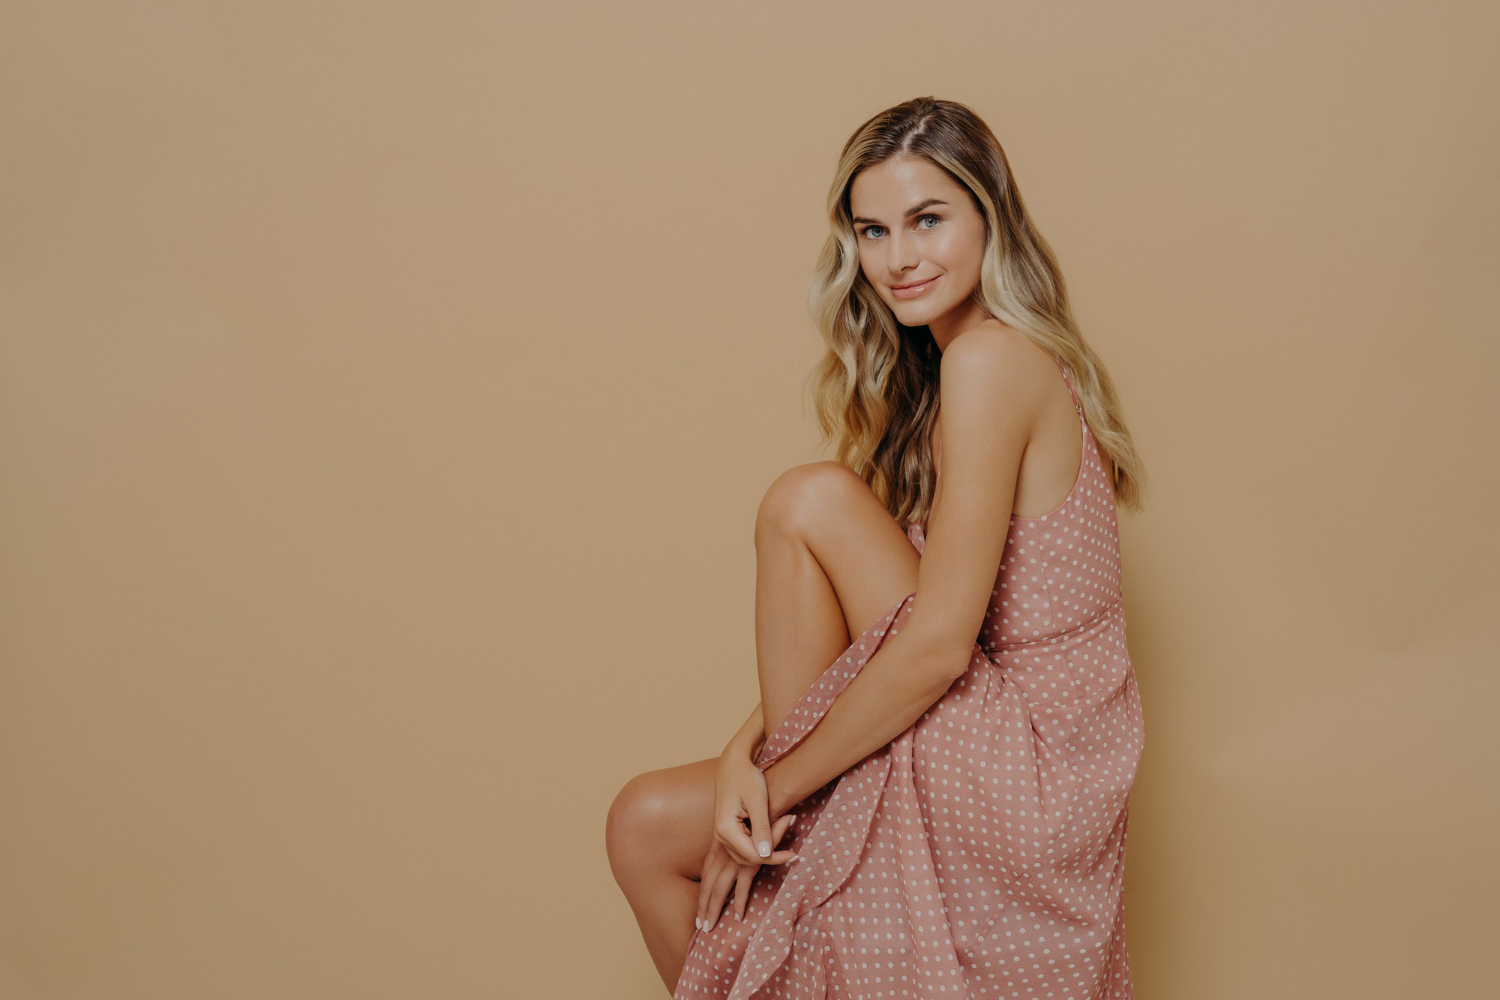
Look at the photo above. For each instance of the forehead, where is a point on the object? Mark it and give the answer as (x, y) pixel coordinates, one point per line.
(898, 183)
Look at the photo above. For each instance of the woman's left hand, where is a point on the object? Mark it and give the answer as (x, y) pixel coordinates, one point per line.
(721, 871)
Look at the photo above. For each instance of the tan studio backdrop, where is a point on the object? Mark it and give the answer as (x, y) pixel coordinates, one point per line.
(388, 392)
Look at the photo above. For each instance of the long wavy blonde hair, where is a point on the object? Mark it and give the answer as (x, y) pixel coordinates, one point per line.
(876, 389)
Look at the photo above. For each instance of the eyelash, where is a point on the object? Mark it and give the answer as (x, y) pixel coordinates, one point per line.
(865, 232)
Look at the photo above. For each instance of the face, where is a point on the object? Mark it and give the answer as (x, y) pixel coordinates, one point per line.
(917, 227)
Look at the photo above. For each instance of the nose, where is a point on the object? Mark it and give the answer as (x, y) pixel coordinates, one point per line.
(903, 254)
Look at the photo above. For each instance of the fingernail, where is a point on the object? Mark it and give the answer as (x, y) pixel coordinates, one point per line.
(698, 922)
(765, 848)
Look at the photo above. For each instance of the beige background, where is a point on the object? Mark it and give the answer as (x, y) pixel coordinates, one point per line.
(388, 391)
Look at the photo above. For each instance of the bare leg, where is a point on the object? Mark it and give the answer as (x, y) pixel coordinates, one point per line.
(830, 561)
(658, 832)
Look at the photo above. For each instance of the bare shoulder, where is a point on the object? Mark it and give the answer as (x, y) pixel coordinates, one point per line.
(994, 360)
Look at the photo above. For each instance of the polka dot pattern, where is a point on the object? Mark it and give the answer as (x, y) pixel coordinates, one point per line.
(981, 853)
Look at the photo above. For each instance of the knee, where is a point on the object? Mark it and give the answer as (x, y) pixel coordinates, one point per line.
(639, 809)
(803, 493)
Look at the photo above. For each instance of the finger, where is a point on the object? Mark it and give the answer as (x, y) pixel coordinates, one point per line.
(738, 856)
(705, 885)
(722, 881)
(704, 881)
(760, 826)
(742, 882)
(737, 842)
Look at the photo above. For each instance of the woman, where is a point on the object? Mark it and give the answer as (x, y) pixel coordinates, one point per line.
(947, 817)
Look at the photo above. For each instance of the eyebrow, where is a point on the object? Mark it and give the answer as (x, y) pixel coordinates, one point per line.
(909, 212)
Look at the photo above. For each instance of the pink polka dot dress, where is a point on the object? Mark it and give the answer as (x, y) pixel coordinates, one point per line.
(981, 853)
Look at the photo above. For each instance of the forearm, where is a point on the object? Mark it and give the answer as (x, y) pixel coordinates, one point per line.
(748, 739)
(890, 692)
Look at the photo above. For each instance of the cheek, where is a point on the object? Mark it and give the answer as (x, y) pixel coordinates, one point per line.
(962, 253)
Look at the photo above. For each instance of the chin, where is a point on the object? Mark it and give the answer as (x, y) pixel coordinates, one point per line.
(918, 316)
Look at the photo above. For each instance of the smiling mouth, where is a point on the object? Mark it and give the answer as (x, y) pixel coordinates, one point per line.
(908, 291)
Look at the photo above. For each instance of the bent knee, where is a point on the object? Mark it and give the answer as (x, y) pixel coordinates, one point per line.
(805, 492)
(640, 810)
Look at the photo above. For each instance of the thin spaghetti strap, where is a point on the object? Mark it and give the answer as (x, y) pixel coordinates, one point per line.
(1068, 382)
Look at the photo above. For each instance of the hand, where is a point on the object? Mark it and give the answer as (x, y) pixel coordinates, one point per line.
(740, 796)
(720, 871)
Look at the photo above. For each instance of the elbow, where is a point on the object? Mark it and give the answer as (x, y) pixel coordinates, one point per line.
(952, 668)
(948, 662)
(945, 649)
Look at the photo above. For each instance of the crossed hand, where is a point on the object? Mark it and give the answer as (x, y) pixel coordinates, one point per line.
(737, 853)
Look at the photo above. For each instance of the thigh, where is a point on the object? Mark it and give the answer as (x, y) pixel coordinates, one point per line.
(866, 556)
(670, 814)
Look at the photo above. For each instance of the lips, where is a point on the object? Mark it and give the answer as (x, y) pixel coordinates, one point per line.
(913, 289)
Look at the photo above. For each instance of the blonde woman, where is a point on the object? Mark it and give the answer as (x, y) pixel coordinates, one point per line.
(931, 798)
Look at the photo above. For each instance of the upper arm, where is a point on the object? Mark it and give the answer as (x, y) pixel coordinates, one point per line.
(990, 397)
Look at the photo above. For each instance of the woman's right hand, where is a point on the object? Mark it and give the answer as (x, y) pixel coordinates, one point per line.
(740, 796)
(721, 873)
(734, 858)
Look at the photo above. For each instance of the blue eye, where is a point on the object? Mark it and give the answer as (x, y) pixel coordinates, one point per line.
(868, 234)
